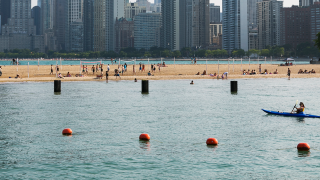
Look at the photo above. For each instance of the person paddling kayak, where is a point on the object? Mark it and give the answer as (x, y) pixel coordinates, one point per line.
(301, 108)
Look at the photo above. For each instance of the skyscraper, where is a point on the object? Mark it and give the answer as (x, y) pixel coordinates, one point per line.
(200, 24)
(170, 25)
(295, 25)
(35, 14)
(269, 27)
(133, 9)
(252, 13)
(60, 23)
(235, 25)
(307, 2)
(105, 14)
(214, 13)
(88, 24)
(74, 15)
(144, 3)
(147, 30)
(5, 11)
(20, 31)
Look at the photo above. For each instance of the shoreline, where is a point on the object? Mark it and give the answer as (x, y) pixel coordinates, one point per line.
(170, 72)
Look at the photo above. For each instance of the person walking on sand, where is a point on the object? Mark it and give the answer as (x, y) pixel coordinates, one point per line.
(289, 72)
(51, 72)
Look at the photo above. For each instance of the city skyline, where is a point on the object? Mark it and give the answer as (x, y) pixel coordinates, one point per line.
(286, 3)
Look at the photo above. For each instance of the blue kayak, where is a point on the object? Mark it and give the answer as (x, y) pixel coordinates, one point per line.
(290, 114)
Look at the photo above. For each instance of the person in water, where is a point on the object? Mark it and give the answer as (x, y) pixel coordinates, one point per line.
(301, 108)
(192, 82)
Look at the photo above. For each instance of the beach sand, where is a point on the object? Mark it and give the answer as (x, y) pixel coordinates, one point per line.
(166, 73)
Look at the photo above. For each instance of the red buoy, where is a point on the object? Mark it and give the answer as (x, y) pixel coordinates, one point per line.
(67, 131)
(212, 141)
(144, 137)
(303, 147)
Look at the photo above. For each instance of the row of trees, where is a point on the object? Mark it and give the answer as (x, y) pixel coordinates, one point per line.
(304, 49)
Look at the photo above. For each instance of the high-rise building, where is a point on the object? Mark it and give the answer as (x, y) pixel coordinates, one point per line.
(194, 23)
(214, 13)
(235, 25)
(295, 25)
(147, 30)
(307, 2)
(20, 31)
(252, 13)
(170, 28)
(60, 23)
(5, 11)
(124, 29)
(315, 20)
(88, 24)
(105, 14)
(215, 33)
(144, 3)
(132, 9)
(269, 26)
(74, 15)
(35, 14)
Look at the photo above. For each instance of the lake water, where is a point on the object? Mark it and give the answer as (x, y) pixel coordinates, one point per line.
(107, 119)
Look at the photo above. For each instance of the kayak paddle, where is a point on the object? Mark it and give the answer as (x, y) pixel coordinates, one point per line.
(295, 106)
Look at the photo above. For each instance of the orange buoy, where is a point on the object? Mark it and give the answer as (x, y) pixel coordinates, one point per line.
(67, 131)
(303, 147)
(144, 137)
(212, 141)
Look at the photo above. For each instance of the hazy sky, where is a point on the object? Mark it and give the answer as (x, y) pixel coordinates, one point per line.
(286, 3)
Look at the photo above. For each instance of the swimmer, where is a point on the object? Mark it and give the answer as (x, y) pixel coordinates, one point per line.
(192, 82)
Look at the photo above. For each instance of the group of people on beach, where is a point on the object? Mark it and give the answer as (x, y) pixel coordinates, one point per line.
(306, 71)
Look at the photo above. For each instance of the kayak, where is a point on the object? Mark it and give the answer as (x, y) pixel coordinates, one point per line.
(290, 114)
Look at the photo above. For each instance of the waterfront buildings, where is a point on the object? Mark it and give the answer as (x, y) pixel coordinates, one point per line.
(36, 14)
(214, 13)
(124, 29)
(252, 13)
(132, 9)
(315, 20)
(235, 25)
(170, 28)
(147, 30)
(5, 11)
(269, 23)
(20, 32)
(295, 25)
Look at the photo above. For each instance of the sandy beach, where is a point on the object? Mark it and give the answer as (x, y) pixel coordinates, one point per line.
(166, 73)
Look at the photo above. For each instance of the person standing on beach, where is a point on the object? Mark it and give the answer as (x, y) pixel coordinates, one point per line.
(92, 69)
(259, 68)
(51, 72)
(101, 66)
(108, 68)
(289, 72)
(57, 68)
(122, 69)
(0, 71)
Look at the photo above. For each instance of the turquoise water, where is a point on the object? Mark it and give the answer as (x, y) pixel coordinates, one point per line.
(107, 120)
(167, 61)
